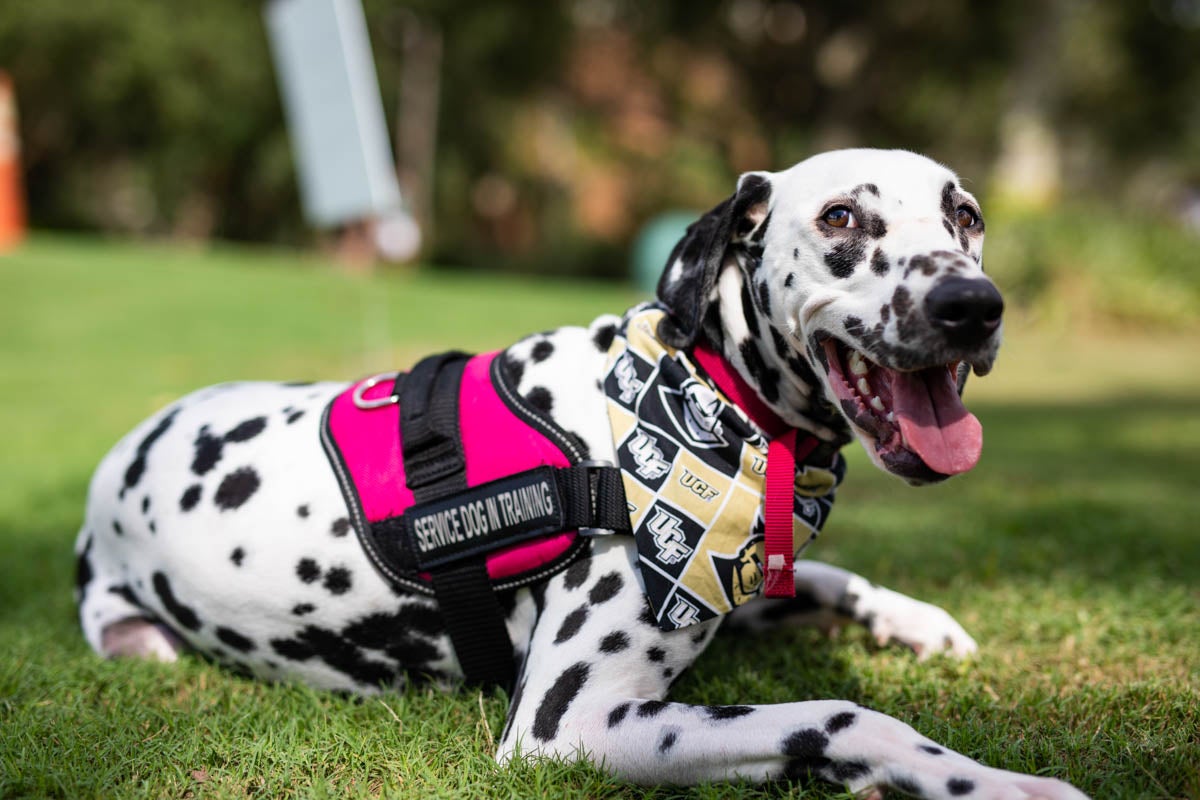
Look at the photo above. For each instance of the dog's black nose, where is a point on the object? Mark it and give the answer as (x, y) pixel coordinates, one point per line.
(966, 310)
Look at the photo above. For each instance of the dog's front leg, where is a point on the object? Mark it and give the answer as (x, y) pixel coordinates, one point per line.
(828, 596)
(653, 742)
(598, 668)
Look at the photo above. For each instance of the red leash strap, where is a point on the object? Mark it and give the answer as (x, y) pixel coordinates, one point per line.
(777, 515)
(779, 546)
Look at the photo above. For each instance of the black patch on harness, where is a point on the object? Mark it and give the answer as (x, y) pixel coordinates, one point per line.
(484, 518)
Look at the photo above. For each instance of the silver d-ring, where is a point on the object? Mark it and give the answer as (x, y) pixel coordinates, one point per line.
(367, 385)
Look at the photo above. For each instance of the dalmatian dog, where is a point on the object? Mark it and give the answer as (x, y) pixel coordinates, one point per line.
(848, 291)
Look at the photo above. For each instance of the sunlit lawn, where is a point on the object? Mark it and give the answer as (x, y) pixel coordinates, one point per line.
(1072, 553)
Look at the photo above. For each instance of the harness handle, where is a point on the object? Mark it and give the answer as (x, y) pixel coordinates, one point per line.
(434, 466)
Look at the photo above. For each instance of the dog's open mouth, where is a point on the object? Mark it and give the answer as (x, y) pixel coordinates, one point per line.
(916, 418)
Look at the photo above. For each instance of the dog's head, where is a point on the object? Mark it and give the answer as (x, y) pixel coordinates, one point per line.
(849, 290)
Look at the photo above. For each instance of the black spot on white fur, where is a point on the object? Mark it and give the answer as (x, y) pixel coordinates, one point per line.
(614, 642)
(190, 497)
(617, 715)
(603, 338)
(237, 556)
(949, 194)
(245, 431)
(208, 450)
(748, 312)
(727, 712)
(805, 750)
(512, 368)
(840, 721)
(806, 743)
(541, 351)
(651, 708)
(571, 625)
(137, 467)
(235, 640)
(125, 593)
(879, 263)
(337, 580)
(843, 771)
(765, 377)
(307, 570)
(577, 574)
(340, 527)
(402, 635)
(764, 298)
(184, 615)
(236, 488)
(540, 398)
(557, 700)
(606, 588)
(960, 786)
(83, 567)
(844, 256)
(335, 650)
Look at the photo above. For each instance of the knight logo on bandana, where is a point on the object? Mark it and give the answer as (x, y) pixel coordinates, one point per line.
(649, 456)
(700, 409)
(669, 536)
(739, 575)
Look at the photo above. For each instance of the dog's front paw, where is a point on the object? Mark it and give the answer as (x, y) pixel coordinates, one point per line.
(980, 783)
(1005, 785)
(924, 628)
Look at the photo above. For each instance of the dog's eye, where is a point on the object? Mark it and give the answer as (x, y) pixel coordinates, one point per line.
(840, 217)
(965, 217)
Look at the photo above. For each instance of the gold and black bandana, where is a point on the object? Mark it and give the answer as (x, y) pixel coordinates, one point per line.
(694, 468)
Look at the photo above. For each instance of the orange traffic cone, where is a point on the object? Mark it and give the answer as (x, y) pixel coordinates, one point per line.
(12, 199)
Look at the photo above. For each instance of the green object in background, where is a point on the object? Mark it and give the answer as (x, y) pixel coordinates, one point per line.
(653, 246)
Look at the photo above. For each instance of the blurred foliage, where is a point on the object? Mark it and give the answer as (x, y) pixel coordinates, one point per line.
(149, 117)
(1091, 265)
(564, 127)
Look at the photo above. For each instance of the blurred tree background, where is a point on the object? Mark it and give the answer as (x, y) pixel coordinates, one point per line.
(561, 128)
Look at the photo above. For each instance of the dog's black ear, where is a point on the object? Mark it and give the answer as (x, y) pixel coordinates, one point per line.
(687, 285)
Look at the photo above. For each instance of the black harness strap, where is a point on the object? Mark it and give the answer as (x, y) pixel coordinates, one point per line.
(434, 467)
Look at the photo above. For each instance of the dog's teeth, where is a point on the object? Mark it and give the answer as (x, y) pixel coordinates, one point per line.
(891, 416)
(864, 388)
(857, 365)
(877, 404)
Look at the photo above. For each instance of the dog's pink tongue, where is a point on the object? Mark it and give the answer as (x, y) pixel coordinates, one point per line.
(933, 421)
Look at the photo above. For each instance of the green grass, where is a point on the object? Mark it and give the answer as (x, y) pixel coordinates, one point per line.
(1071, 553)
